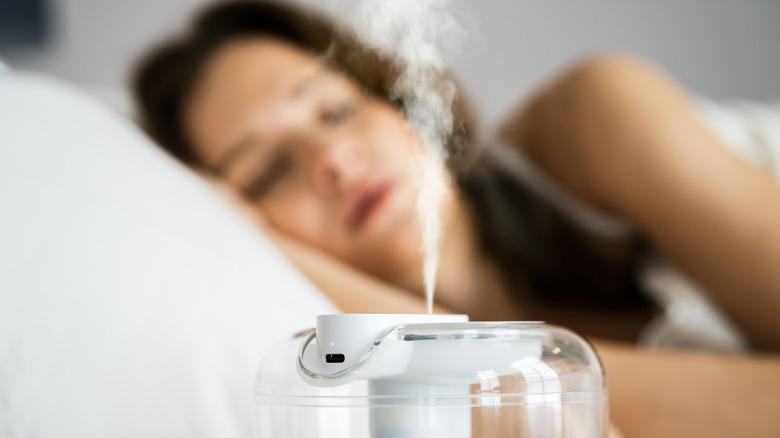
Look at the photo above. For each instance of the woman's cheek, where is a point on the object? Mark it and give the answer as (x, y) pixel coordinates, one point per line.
(300, 218)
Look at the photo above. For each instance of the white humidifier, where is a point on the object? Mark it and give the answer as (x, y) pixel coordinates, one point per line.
(430, 376)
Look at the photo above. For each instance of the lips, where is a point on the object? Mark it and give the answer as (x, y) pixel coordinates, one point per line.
(365, 202)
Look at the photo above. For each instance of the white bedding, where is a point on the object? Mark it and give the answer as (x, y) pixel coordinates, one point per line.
(133, 302)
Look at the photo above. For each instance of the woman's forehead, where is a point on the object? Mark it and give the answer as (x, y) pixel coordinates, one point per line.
(241, 79)
(258, 63)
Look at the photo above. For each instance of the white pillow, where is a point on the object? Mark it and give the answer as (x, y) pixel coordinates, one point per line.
(133, 301)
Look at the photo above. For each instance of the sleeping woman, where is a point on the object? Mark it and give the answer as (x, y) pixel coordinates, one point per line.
(554, 218)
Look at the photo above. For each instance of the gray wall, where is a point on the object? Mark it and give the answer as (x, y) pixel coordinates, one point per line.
(724, 49)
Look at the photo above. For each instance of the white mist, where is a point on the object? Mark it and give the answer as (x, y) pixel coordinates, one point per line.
(416, 33)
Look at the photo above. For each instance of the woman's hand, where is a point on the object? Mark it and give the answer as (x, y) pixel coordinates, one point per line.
(351, 290)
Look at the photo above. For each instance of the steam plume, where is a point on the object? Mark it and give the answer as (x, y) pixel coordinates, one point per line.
(419, 33)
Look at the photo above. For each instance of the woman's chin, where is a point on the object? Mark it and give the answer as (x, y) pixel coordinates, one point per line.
(390, 239)
(395, 252)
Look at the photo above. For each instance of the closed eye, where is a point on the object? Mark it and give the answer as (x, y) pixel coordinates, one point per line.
(338, 114)
(269, 177)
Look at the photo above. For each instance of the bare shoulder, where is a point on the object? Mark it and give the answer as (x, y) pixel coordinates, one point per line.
(572, 124)
(625, 138)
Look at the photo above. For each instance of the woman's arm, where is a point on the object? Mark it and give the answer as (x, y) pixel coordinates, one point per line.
(622, 137)
(350, 289)
(684, 394)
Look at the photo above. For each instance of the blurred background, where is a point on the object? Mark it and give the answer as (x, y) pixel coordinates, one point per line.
(725, 49)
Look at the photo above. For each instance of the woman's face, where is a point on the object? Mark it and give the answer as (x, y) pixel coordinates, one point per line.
(317, 158)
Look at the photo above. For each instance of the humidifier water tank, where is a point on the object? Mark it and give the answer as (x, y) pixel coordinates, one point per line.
(430, 380)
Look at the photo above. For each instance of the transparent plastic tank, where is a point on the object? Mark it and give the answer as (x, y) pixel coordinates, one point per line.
(418, 376)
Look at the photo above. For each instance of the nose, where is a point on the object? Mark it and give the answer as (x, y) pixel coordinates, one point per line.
(335, 162)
